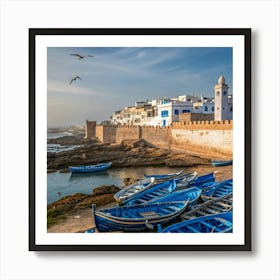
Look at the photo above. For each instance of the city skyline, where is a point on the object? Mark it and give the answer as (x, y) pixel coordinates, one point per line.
(112, 78)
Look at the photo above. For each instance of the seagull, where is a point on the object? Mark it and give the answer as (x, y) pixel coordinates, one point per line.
(80, 56)
(74, 79)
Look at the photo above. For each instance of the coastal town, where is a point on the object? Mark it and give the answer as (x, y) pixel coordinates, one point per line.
(185, 133)
(164, 111)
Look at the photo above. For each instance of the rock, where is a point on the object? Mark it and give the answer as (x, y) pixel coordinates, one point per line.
(101, 196)
(129, 180)
(51, 170)
(105, 190)
(128, 153)
(64, 170)
(68, 140)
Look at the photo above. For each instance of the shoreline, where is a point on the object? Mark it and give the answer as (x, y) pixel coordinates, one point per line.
(72, 213)
(79, 220)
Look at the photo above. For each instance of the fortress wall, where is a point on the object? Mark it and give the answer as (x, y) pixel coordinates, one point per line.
(158, 136)
(106, 134)
(99, 132)
(202, 140)
(181, 136)
(90, 129)
(127, 133)
(209, 125)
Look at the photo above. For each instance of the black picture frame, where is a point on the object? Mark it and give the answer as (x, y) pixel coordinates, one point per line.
(34, 33)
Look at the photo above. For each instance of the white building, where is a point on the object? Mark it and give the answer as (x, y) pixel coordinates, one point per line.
(169, 112)
(223, 103)
(164, 111)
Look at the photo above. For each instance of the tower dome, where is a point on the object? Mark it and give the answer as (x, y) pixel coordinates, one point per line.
(221, 80)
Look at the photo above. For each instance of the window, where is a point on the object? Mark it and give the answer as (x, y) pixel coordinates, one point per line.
(176, 112)
(218, 108)
(205, 109)
(218, 93)
(212, 108)
(225, 92)
(164, 113)
(186, 111)
(231, 109)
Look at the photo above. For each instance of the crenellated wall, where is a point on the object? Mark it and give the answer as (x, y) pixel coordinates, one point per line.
(181, 136)
(90, 129)
(209, 125)
(158, 136)
(106, 134)
(127, 133)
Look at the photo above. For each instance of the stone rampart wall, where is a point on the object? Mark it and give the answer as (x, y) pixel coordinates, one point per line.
(158, 136)
(181, 136)
(201, 140)
(209, 125)
(127, 133)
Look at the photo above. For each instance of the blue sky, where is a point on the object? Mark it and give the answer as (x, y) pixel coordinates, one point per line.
(117, 77)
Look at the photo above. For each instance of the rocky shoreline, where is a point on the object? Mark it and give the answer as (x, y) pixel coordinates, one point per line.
(128, 153)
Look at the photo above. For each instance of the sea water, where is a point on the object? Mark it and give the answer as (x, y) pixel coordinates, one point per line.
(62, 184)
(55, 148)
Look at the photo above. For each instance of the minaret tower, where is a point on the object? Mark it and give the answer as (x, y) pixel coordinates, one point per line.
(221, 100)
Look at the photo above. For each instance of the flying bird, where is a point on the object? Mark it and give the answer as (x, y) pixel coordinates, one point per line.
(79, 56)
(74, 79)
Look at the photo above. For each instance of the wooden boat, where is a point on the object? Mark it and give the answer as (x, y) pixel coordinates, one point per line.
(202, 180)
(164, 176)
(191, 194)
(221, 162)
(212, 206)
(218, 190)
(90, 168)
(137, 217)
(217, 223)
(132, 190)
(185, 179)
(154, 192)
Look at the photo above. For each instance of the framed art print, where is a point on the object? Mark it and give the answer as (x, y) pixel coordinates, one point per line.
(140, 139)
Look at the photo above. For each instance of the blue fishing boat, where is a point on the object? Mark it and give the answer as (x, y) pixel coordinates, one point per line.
(211, 206)
(221, 162)
(90, 168)
(155, 191)
(219, 190)
(184, 180)
(191, 194)
(129, 192)
(137, 217)
(202, 180)
(164, 176)
(217, 223)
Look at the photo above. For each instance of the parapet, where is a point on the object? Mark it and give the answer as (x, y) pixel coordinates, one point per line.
(211, 125)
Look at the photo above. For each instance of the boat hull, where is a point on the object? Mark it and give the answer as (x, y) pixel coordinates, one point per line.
(221, 163)
(218, 190)
(152, 193)
(191, 194)
(129, 192)
(145, 216)
(211, 206)
(217, 223)
(164, 176)
(90, 168)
